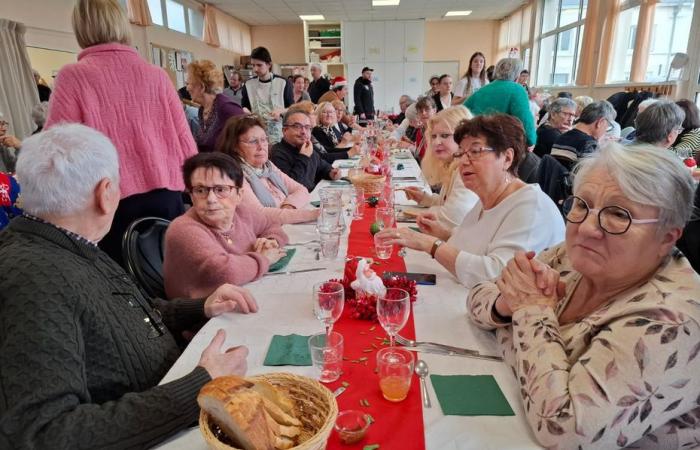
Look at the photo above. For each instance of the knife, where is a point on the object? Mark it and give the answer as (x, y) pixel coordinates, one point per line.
(460, 352)
(295, 271)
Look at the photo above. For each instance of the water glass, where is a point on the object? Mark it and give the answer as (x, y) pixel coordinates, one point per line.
(385, 217)
(330, 197)
(330, 242)
(327, 356)
(359, 203)
(329, 299)
(329, 218)
(382, 248)
(393, 310)
(395, 367)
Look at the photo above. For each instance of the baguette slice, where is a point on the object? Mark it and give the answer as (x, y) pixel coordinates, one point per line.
(279, 398)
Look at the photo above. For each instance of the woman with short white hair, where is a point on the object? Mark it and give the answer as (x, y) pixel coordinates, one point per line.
(602, 330)
(561, 114)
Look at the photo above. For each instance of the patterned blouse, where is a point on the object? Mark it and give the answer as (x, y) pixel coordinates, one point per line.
(625, 375)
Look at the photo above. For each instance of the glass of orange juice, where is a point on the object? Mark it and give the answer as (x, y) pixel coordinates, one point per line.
(395, 371)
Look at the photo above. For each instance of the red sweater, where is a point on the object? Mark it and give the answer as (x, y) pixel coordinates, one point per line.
(198, 259)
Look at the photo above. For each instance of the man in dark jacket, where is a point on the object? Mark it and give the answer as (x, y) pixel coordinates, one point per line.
(320, 85)
(363, 94)
(295, 154)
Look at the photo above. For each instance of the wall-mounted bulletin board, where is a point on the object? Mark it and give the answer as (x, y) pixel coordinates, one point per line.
(173, 61)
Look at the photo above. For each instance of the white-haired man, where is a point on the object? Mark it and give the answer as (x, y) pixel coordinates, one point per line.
(319, 85)
(81, 349)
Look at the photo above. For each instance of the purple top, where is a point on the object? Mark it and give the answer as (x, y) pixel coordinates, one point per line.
(209, 130)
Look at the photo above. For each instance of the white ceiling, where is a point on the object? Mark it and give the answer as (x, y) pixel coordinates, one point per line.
(274, 12)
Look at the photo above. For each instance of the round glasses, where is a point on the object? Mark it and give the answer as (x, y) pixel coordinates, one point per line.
(220, 190)
(611, 219)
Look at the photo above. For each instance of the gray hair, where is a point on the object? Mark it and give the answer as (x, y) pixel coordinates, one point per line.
(411, 112)
(601, 109)
(292, 111)
(646, 176)
(39, 113)
(508, 69)
(656, 122)
(60, 168)
(407, 98)
(560, 104)
(644, 104)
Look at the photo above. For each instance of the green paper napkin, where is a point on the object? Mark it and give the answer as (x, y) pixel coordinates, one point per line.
(316, 204)
(282, 262)
(470, 395)
(290, 350)
(415, 229)
(346, 165)
(339, 182)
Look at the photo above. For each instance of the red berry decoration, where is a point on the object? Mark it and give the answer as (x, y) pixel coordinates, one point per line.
(689, 162)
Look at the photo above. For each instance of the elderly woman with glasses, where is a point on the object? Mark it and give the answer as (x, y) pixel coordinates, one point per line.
(264, 185)
(562, 112)
(509, 216)
(329, 134)
(603, 330)
(220, 239)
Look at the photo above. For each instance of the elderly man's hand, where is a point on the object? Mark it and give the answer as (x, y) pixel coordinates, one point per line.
(525, 282)
(229, 298)
(334, 174)
(307, 149)
(218, 363)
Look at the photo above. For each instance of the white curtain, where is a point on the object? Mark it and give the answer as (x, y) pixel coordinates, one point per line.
(18, 93)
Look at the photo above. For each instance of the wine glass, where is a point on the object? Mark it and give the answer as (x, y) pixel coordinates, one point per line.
(392, 311)
(329, 299)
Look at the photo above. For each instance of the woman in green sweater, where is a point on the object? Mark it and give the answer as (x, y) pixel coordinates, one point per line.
(504, 95)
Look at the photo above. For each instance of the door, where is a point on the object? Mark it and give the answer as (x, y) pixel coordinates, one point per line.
(393, 85)
(374, 42)
(394, 43)
(413, 40)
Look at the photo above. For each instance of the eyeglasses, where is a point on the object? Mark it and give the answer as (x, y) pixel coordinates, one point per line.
(256, 142)
(473, 153)
(678, 130)
(567, 115)
(220, 190)
(4, 123)
(611, 219)
(298, 127)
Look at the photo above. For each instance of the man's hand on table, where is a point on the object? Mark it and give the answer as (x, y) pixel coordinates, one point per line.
(229, 298)
(222, 363)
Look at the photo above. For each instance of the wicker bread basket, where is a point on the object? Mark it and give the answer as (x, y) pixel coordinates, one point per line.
(315, 404)
(371, 184)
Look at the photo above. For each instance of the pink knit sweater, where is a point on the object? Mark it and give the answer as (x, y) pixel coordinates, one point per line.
(198, 259)
(113, 90)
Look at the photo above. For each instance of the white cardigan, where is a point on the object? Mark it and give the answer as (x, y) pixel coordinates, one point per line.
(452, 203)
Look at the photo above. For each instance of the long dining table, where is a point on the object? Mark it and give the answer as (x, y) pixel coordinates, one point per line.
(440, 315)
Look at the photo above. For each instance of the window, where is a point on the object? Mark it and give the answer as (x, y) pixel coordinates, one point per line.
(560, 35)
(631, 37)
(623, 45)
(196, 23)
(175, 14)
(156, 10)
(670, 36)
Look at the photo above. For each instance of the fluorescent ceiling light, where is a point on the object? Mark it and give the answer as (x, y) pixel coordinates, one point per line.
(312, 17)
(457, 13)
(385, 2)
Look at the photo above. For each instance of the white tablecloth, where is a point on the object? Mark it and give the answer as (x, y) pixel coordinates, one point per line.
(440, 316)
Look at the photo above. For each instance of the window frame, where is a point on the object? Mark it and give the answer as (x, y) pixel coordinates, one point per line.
(189, 29)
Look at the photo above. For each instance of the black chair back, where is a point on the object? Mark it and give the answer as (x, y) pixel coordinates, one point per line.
(142, 250)
(554, 180)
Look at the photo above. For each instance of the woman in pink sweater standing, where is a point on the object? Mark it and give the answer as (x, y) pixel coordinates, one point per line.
(113, 90)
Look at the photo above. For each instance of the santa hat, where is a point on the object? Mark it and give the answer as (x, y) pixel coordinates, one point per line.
(338, 82)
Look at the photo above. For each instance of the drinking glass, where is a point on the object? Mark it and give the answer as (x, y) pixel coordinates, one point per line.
(358, 203)
(330, 242)
(385, 217)
(395, 366)
(329, 299)
(327, 355)
(392, 311)
(382, 248)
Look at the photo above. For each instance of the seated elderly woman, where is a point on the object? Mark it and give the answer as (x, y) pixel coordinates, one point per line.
(338, 145)
(454, 201)
(659, 124)
(9, 147)
(205, 83)
(81, 349)
(509, 216)
(562, 112)
(687, 143)
(603, 329)
(504, 95)
(264, 186)
(220, 239)
(346, 122)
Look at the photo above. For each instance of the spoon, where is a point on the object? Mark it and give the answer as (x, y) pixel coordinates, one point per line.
(422, 372)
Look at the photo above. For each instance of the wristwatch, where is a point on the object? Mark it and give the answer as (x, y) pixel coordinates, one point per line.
(436, 244)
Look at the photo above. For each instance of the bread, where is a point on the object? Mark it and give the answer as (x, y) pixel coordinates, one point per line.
(255, 415)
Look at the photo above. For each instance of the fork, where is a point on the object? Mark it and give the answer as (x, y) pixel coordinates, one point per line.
(302, 243)
(448, 349)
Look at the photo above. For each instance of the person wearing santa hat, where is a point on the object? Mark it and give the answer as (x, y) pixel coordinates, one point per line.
(339, 89)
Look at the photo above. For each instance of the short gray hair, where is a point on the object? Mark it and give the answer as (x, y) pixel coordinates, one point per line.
(601, 109)
(646, 176)
(560, 104)
(39, 113)
(60, 168)
(508, 69)
(411, 112)
(656, 122)
(644, 104)
(293, 111)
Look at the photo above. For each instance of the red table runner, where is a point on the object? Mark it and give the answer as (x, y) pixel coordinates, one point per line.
(396, 425)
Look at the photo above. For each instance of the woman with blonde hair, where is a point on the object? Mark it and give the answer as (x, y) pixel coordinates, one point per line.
(454, 201)
(205, 83)
(112, 89)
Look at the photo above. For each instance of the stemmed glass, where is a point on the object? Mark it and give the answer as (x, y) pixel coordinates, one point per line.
(329, 299)
(392, 311)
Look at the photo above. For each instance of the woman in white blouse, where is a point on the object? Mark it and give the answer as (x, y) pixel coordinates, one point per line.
(473, 80)
(509, 216)
(454, 201)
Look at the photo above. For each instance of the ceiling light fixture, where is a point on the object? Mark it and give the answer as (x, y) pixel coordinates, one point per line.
(457, 13)
(312, 17)
(385, 2)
